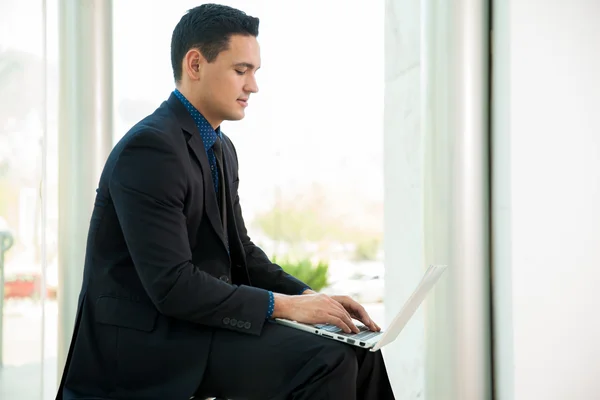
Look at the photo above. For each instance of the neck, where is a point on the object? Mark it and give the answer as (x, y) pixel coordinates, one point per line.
(187, 93)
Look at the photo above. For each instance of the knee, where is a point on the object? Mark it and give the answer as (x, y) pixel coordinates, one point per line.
(350, 362)
(342, 359)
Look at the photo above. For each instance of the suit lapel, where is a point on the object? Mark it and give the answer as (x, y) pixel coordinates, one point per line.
(194, 142)
(212, 207)
(232, 232)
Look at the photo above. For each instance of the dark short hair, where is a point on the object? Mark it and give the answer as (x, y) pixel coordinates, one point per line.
(208, 28)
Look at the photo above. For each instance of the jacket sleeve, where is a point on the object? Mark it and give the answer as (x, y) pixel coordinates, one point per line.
(148, 186)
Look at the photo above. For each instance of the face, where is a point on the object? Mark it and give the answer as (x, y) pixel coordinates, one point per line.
(221, 89)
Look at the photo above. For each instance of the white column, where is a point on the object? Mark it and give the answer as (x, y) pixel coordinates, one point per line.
(546, 211)
(403, 177)
(456, 226)
(85, 139)
(500, 208)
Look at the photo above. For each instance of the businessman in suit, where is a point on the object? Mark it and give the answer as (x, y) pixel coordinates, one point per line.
(176, 300)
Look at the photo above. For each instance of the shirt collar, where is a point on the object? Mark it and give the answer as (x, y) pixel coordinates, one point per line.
(207, 133)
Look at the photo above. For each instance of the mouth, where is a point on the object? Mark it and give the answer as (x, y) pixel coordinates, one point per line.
(243, 102)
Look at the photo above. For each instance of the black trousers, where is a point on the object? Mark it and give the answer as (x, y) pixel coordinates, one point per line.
(286, 363)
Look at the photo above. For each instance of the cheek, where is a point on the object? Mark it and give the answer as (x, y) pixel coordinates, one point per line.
(213, 94)
(229, 91)
(223, 89)
(221, 86)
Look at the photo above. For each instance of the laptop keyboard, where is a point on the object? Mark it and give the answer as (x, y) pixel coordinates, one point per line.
(364, 334)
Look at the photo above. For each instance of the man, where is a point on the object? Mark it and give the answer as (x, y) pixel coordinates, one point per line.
(176, 299)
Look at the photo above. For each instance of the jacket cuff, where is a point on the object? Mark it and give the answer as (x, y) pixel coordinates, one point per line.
(249, 315)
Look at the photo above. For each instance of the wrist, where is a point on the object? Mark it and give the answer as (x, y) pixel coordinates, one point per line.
(309, 291)
(281, 305)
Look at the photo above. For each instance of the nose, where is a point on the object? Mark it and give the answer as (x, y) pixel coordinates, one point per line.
(251, 85)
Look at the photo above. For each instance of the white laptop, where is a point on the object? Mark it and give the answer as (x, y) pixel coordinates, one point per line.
(376, 340)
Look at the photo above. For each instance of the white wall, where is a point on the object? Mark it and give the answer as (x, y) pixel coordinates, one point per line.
(547, 199)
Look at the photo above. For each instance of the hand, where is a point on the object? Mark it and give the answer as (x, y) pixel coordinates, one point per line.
(313, 309)
(357, 311)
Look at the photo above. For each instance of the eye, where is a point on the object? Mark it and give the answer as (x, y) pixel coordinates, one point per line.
(237, 71)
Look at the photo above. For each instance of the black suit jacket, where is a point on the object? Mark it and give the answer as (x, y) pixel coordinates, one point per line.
(159, 277)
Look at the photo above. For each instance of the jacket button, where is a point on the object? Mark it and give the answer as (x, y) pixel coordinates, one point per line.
(240, 324)
(224, 278)
(226, 321)
(247, 325)
(233, 322)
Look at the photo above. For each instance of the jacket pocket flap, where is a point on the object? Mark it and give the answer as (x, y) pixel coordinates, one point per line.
(125, 313)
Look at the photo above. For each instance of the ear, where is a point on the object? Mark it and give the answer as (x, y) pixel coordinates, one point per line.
(192, 64)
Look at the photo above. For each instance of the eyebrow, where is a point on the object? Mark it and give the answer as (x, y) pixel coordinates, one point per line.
(245, 65)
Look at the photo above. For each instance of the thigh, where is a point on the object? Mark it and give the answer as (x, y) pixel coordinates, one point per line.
(269, 366)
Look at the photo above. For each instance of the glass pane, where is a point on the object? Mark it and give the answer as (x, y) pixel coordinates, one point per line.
(27, 240)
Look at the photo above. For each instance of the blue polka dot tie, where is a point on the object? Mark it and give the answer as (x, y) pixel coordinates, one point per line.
(208, 135)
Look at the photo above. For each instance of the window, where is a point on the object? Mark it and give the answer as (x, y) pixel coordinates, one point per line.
(311, 145)
(28, 209)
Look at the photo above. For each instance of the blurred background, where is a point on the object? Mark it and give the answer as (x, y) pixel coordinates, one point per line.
(387, 136)
(317, 197)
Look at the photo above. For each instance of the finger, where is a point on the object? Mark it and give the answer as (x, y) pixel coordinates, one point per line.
(372, 325)
(359, 312)
(348, 320)
(351, 319)
(336, 304)
(341, 308)
(339, 323)
(378, 328)
(363, 316)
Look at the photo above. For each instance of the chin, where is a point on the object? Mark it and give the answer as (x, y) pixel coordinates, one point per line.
(236, 116)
